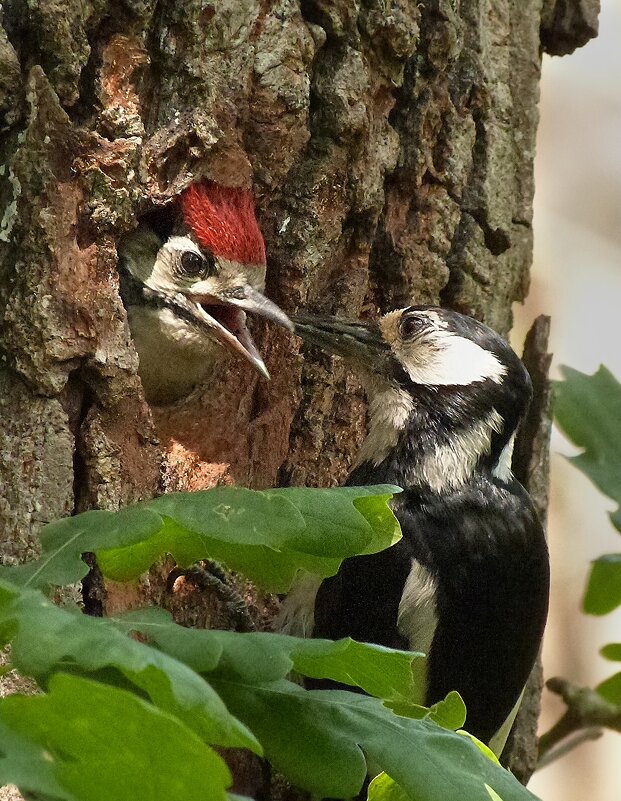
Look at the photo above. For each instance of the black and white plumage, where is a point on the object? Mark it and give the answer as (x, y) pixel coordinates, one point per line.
(468, 583)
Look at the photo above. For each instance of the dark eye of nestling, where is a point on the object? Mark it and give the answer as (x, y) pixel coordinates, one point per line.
(197, 266)
(412, 324)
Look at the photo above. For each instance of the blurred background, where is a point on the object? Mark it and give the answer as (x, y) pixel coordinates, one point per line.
(577, 280)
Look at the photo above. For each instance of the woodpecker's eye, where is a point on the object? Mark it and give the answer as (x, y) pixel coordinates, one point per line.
(195, 265)
(412, 324)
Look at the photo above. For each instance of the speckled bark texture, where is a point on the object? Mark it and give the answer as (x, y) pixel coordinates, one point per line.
(390, 147)
(531, 465)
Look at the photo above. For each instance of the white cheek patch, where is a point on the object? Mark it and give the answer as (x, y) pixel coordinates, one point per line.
(164, 276)
(442, 358)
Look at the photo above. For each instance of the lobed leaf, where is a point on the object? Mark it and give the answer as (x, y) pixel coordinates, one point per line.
(267, 535)
(396, 676)
(64, 541)
(450, 713)
(604, 585)
(612, 651)
(319, 740)
(262, 656)
(610, 689)
(46, 639)
(588, 410)
(85, 741)
(383, 788)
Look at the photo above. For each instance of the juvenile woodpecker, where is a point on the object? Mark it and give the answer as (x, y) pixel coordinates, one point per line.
(468, 583)
(188, 296)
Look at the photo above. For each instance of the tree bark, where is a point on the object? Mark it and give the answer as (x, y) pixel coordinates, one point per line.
(390, 147)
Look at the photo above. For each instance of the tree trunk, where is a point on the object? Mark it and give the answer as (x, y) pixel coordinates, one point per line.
(390, 147)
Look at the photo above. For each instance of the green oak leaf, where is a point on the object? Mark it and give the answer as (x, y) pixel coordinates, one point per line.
(319, 739)
(262, 656)
(266, 535)
(603, 592)
(85, 741)
(383, 788)
(588, 410)
(46, 639)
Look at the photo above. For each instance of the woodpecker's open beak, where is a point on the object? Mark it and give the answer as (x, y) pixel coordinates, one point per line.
(361, 344)
(223, 316)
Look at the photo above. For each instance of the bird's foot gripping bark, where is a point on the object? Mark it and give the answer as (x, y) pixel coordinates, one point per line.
(210, 576)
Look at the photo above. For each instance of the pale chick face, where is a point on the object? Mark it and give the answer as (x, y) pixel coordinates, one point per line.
(433, 352)
(188, 300)
(181, 266)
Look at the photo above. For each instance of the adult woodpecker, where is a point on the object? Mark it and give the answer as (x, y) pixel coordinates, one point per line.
(188, 295)
(468, 583)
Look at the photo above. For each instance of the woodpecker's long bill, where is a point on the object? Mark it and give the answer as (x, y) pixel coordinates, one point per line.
(193, 291)
(468, 583)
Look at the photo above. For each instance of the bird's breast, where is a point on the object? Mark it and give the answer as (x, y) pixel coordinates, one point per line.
(173, 356)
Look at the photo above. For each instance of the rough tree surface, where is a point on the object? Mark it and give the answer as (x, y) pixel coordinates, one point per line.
(390, 146)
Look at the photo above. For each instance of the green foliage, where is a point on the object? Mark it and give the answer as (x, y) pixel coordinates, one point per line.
(610, 689)
(267, 535)
(318, 757)
(132, 705)
(46, 639)
(604, 588)
(588, 409)
(85, 740)
(383, 788)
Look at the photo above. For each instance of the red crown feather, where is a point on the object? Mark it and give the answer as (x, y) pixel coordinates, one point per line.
(222, 219)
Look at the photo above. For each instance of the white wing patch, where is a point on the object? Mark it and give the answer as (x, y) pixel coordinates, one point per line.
(417, 617)
(502, 470)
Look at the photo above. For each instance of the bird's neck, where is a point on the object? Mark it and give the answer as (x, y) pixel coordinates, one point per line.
(430, 442)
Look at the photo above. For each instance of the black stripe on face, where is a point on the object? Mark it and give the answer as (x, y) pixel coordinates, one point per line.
(440, 412)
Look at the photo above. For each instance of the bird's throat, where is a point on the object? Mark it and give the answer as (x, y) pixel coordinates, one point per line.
(411, 445)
